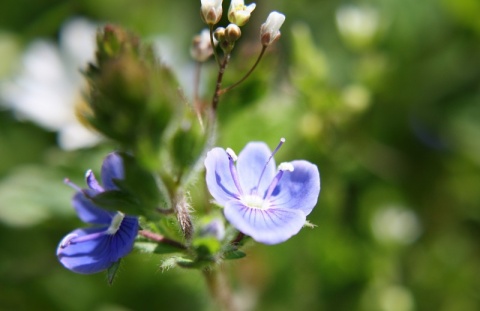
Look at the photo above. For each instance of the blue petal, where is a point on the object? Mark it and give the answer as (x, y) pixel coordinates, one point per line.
(219, 179)
(250, 164)
(86, 257)
(99, 253)
(92, 182)
(268, 226)
(112, 168)
(299, 189)
(89, 212)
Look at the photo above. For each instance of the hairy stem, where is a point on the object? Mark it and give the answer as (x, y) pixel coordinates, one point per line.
(221, 71)
(219, 289)
(160, 239)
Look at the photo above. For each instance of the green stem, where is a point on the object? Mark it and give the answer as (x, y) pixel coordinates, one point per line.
(219, 289)
(223, 91)
(160, 239)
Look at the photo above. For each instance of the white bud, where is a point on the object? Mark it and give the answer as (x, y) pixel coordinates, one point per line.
(211, 11)
(270, 30)
(239, 13)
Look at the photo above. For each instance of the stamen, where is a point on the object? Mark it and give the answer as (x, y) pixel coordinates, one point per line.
(282, 141)
(285, 166)
(116, 222)
(66, 240)
(88, 237)
(232, 157)
(71, 184)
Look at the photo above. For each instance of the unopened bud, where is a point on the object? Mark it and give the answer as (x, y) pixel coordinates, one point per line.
(211, 11)
(232, 33)
(270, 30)
(239, 13)
(219, 34)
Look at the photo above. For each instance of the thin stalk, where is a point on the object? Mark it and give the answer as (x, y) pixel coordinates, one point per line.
(221, 71)
(219, 289)
(217, 58)
(223, 91)
(160, 239)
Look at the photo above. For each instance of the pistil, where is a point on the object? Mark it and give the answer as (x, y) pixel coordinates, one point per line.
(282, 141)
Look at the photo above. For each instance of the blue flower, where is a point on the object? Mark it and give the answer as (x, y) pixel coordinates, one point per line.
(259, 201)
(91, 250)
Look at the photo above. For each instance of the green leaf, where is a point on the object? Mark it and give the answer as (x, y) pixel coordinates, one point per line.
(234, 254)
(117, 201)
(112, 272)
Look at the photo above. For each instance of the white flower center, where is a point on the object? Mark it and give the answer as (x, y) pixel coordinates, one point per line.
(253, 201)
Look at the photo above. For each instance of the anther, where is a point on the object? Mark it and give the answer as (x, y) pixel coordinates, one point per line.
(66, 240)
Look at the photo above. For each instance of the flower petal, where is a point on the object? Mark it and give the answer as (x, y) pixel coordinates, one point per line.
(250, 164)
(299, 189)
(112, 168)
(92, 182)
(268, 226)
(219, 179)
(90, 213)
(86, 257)
(100, 252)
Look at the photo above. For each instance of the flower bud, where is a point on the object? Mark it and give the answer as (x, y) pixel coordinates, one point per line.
(201, 48)
(219, 34)
(239, 13)
(270, 30)
(211, 11)
(232, 33)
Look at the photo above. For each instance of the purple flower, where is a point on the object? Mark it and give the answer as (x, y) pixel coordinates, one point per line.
(91, 250)
(266, 204)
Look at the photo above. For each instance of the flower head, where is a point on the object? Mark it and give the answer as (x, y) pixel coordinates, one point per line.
(211, 11)
(239, 13)
(267, 204)
(270, 30)
(91, 250)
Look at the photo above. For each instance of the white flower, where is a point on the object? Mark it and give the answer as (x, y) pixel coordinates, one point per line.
(201, 48)
(49, 86)
(211, 11)
(239, 13)
(270, 30)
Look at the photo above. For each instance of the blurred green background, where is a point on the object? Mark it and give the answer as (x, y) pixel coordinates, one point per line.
(384, 96)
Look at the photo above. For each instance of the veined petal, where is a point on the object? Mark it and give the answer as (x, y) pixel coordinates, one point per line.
(86, 257)
(89, 212)
(101, 251)
(299, 189)
(268, 226)
(112, 168)
(219, 179)
(250, 164)
(122, 241)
